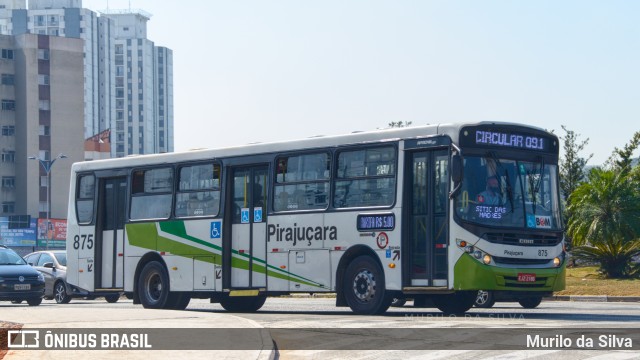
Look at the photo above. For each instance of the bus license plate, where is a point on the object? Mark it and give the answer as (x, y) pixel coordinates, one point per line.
(526, 277)
(22, 287)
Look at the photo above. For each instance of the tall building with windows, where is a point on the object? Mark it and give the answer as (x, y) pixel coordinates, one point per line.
(128, 84)
(143, 88)
(69, 76)
(42, 99)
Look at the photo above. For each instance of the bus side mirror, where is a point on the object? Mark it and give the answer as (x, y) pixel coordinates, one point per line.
(456, 169)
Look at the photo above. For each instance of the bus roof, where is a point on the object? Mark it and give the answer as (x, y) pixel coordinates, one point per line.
(354, 138)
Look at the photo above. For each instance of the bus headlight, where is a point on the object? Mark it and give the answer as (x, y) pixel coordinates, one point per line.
(474, 251)
(559, 260)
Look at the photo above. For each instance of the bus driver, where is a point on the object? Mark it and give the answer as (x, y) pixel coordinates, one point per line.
(491, 196)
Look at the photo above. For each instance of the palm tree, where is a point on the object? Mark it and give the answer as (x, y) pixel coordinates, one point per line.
(613, 256)
(606, 220)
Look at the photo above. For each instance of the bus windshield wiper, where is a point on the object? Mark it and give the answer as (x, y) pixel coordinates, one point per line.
(499, 166)
(535, 187)
(509, 190)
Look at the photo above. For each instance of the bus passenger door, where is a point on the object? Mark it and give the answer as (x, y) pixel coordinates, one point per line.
(245, 254)
(426, 208)
(109, 252)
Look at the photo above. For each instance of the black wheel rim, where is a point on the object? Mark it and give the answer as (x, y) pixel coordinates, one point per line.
(364, 285)
(153, 290)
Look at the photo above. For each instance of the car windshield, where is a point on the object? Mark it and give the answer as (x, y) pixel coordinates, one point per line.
(502, 192)
(9, 257)
(62, 258)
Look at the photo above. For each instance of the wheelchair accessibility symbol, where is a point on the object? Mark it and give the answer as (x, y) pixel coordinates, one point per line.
(244, 215)
(216, 229)
(257, 214)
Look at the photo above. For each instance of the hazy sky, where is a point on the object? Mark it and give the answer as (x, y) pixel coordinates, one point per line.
(258, 71)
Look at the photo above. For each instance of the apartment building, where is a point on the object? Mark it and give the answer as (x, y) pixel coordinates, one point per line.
(42, 97)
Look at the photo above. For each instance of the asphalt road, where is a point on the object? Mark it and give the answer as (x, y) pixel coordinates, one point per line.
(306, 320)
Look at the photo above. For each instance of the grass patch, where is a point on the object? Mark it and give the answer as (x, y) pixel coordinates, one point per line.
(587, 281)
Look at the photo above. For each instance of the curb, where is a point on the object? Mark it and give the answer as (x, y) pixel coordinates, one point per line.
(593, 298)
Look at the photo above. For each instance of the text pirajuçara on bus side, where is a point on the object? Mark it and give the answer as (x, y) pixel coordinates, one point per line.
(433, 213)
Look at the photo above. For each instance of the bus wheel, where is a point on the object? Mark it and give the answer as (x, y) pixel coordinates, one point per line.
(456, 303)
(485, 299)
(530, 302)
(112, 298)
(243, 304)
(364, 287)
(180, 301)
(153, 286)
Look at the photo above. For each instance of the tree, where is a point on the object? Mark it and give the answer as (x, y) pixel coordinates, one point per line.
(572, 172)
(614, 257)
(605, 220)
(605, 207)
(621, 159)
(399, 124)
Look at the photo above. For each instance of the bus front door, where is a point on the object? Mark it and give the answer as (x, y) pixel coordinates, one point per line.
(245, 253)
(426, 218)
(109, 247)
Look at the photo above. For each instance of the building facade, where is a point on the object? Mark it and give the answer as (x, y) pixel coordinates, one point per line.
(42, 97)
(143, 88)
(70, 77)
(128, 84)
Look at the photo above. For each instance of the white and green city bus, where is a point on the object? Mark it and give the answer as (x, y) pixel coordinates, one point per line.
(370, 216)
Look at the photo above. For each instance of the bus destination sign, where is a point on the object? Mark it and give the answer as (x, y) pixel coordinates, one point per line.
(512, 140)
(505, 137)
(372, 222)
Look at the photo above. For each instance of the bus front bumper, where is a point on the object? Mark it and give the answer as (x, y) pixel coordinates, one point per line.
(470, 274)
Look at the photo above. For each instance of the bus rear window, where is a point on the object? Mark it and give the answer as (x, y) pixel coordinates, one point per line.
(85, 191)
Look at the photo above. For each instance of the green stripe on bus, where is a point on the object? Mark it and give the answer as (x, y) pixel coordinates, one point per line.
(177, 228)
(145, 235)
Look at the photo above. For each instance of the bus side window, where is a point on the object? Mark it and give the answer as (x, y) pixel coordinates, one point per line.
(366, 177)
(198, 191)
(151, 194)
(302, 182)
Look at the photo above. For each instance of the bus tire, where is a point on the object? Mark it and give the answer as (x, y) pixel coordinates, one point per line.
(153, 286)
(364, 287)
(530, 302)
(485, 299)
(243, 304)
(456, 303)
(180, 301)
(112, 298)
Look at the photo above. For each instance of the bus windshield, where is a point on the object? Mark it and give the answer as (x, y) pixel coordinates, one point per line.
(500, 192)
